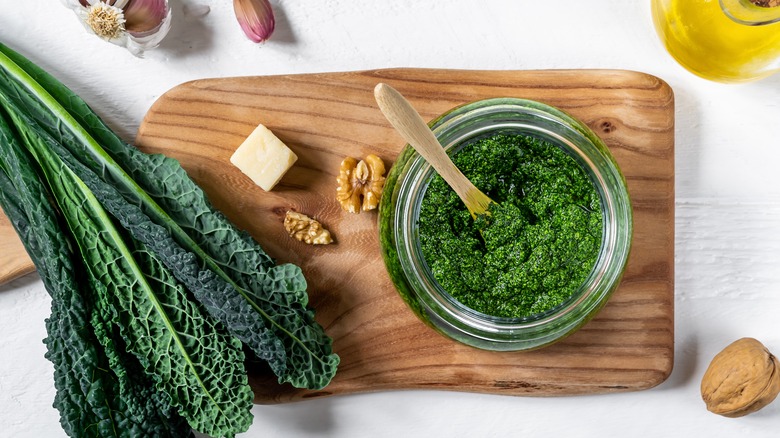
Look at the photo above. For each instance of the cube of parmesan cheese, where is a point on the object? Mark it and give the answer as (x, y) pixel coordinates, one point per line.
(263, 158)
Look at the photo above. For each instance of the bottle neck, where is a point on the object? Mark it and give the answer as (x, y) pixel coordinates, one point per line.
(749, 13)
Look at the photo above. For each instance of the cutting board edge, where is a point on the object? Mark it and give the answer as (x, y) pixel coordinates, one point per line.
(387, 73)
(383, 72)
(659, 377)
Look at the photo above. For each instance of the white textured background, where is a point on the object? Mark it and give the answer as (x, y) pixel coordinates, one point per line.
(728, 193)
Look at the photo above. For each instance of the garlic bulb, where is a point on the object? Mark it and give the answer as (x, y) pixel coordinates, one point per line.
(137, 25)
(256, 18)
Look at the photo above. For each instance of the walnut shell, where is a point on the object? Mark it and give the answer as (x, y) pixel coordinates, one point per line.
(741, 379)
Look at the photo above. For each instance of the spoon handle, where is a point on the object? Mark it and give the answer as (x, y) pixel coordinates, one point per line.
(407, 121)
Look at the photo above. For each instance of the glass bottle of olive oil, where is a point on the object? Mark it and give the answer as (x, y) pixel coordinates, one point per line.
(721, 40)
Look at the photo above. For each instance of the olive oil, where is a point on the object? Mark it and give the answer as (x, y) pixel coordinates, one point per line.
(703, 39)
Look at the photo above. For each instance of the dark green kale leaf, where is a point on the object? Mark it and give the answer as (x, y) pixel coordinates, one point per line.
(197, 367)
(94, 398)
(260, 294)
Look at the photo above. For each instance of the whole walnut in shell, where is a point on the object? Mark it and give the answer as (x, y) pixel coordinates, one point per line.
(741, 379)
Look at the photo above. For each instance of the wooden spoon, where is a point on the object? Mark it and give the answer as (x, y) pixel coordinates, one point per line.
(407, 121)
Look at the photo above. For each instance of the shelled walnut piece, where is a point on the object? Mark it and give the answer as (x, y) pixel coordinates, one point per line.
(306, 229)
(360, 183)
(741, 379)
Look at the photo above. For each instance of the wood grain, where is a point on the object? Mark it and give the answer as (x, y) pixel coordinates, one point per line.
(383, 346)
(14, 261)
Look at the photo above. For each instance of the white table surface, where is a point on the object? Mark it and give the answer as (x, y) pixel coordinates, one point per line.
(727, 194)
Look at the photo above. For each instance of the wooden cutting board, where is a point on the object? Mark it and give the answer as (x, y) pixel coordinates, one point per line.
(383, 346)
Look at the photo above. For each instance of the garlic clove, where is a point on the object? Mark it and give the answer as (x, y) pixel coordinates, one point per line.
(144, 16)
(256, 18)
(140, 42)
(137, 25)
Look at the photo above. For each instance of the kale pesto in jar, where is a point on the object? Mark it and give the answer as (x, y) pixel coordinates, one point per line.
(537, 245)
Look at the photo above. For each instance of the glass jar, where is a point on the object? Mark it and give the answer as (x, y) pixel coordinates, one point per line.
(400, 208)
(720, 40)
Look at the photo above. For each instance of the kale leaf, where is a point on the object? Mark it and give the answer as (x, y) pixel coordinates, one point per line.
(99, 394)
(225, 268)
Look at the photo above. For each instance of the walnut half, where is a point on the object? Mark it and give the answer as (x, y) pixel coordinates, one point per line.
(360, 183)
(306, 229)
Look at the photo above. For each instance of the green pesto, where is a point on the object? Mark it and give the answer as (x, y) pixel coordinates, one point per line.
(537, 245)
